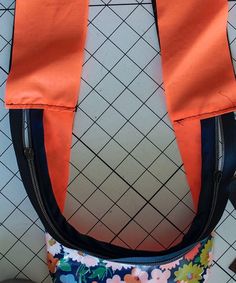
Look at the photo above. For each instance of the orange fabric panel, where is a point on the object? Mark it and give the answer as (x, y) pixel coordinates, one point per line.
(188, 135)
(49, 40)
(198, 73)
(58, 127)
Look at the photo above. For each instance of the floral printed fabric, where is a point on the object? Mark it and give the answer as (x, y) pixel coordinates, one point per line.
(72, 266)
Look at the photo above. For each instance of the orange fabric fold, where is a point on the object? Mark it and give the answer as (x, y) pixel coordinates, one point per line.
(188, 136)
(58, 127)
(198, 73)
(47, 57)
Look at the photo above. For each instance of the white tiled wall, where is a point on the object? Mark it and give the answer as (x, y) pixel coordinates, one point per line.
(127, 184)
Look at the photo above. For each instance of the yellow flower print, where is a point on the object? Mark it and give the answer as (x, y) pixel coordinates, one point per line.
(189, 273)
(206, 254)
(52, 242)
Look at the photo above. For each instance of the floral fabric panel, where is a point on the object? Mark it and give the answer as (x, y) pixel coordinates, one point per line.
(72, 266)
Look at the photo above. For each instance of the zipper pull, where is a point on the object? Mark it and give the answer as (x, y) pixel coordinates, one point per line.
(29, 153)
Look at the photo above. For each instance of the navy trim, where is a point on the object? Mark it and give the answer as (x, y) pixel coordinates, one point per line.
(85, 243)
(209, 165)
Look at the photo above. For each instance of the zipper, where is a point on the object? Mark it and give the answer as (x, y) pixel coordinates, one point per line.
(220, 144)
(219, 168)
(218, 176)
(29, 154)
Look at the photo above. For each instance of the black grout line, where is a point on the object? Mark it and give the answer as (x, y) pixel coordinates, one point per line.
(7, 43)
(147, 201)
(127, 121)
(14, 173)
(231, 276)
(5, 135)
(17, 207)
(16, 267)
(146, 170)
(96, 5)
(96, 155)
(140, 36)
(19, 239)
(131, 185)
(113, 137)
(230, 245)
(125, 192)
(4, 81)
(162, 152)
(119, 4)
(3, 70)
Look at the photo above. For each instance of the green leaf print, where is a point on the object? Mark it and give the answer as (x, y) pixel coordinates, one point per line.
(99, 273)
(65, 266)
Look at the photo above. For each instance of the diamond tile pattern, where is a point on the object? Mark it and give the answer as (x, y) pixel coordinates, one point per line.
(127, 184)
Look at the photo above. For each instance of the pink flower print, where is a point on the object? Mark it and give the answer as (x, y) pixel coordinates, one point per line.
(136, 276)
(170, 265)
(89, 261)
(142, 275)
(160, 277)
(191, 255)
(114, 279)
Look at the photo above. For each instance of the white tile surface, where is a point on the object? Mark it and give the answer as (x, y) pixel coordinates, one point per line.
(218, 275)
(228, 230)
(131, 202)
(122, 119)
(133, 234)
(165, 228)
(116, 219)
(114, 187)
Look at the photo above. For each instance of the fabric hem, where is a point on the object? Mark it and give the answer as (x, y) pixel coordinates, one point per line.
(41, 106)
(206, 115)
